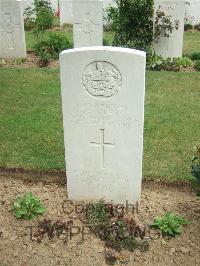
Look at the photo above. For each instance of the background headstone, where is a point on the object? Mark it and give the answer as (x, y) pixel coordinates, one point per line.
(171, 46)
(103, 110)
(66, 15)
(87, 23)
(12, 37)
(192, 12)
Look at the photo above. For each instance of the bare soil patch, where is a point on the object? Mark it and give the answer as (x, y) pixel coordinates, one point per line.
(30, 61)
(17, 247)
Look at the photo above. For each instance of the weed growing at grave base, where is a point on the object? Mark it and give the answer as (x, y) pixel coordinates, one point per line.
(2, 62)
(156, 62)
(117, 231)
(50, 46)
(170, 224)
(52, 229)
(27, 207)
(19, 61)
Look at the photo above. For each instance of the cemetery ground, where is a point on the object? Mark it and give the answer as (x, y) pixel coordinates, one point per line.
(32, 159)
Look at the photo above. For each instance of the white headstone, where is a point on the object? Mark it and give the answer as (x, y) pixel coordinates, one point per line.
(66, 15)
(88, 23)
(12, 37)
(171, 46)
(103, 111)
(192, 13)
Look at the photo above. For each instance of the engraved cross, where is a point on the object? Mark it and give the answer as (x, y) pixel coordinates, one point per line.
(102, 144)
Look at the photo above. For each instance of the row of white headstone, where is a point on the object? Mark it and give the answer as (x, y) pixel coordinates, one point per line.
(192, 10)
(87, 27)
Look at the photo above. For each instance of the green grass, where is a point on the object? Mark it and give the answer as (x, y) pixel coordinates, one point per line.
(171, 123)
(31, 125)
(191, 42)
(31, 121)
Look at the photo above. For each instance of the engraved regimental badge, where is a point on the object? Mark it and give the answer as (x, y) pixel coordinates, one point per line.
(101, 79)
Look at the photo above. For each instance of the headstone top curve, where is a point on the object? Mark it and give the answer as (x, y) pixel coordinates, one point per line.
(104, 48)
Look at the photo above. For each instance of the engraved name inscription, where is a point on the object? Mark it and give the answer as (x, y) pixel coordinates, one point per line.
(101, 79)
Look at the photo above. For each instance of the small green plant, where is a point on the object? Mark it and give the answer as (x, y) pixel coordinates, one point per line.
(112, 227)
(196, 164)
(197, 65)
(195, 56)
(19, 61)
(170, 224)
(27, 207)
(2, 62)
(51, 45)
(188, 27)
(44, 58)
(183, 62)
(154, 62)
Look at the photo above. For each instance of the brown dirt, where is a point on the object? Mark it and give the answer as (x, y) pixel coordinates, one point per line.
(17, 247)
(31, 61)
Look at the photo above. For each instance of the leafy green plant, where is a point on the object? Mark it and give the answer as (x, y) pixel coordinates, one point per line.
(197, 65)
(27, 207)
(154, 62)
(19, 61)
(183, 62)
(131, 22)
(188, 27)
(195, 56)
(51, 45)
(170, 224)
(44, 58)
(2, 62)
